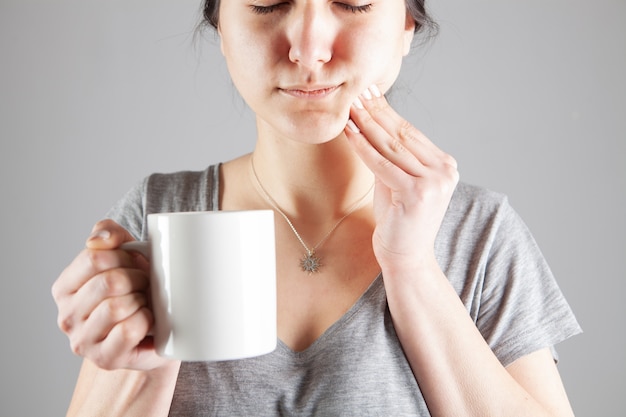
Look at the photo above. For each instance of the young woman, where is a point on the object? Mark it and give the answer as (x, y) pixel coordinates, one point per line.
(400, 290)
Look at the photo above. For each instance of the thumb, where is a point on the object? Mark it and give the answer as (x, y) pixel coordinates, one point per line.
(107, 234)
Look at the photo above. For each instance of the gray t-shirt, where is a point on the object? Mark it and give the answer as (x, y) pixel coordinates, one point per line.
(357, 367)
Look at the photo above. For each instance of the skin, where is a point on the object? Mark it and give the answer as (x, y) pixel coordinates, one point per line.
(313, 72)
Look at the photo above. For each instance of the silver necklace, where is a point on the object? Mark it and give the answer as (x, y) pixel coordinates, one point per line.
(310, 262)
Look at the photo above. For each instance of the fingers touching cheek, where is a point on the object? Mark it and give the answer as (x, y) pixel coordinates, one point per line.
(381, 137)
(372, 119)
(395, 151)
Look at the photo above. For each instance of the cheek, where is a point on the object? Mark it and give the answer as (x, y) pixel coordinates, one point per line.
(244, 58)
(374, 59)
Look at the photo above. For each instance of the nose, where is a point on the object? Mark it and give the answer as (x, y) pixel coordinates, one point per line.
(310, 36)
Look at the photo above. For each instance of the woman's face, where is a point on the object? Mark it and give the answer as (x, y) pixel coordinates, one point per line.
(299, 64)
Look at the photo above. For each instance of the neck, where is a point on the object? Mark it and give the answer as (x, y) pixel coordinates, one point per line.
(313, 182)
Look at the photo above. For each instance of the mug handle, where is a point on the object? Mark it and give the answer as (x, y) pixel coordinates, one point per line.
(137, 246)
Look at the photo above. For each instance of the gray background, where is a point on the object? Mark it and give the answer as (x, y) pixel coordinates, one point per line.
(530, 96)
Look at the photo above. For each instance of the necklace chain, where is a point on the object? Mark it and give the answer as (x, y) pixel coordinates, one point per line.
(310, 262)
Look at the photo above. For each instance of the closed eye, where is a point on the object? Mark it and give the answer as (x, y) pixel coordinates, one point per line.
(355, 9)
(267, 9)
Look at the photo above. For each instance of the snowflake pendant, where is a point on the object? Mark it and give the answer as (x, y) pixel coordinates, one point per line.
(310, 263)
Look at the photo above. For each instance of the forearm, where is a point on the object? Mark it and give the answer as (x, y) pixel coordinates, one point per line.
(456, 370)
(123, 392)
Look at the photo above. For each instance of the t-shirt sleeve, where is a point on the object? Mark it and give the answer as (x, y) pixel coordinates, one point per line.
(129, 211)
(522, 308)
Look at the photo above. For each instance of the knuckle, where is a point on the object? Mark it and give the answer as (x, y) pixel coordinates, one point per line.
(77, 346)
(56, 292)
(94, 258)
(395, 146)
(130, 333)
(113, 308)
(106, 361)
(384, 163)
(407, 132)
(450, 160)
(112, 283)
(61, 286)
(445, 185)
(452, 174)
(102, 259)
(65, 323)
(119, 308)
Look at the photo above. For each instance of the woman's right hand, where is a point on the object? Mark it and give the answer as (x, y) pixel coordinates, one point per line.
(103, 302)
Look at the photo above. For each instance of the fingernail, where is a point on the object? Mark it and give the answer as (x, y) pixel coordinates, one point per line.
(357, 103)
(100, 234)
(352, 126)
(375, 91)
(367, 95)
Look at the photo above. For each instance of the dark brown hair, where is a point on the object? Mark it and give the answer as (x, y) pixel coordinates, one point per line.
(416, 8)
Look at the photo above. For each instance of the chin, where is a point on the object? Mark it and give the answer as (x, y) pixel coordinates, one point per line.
(310, 127)
(319, 131)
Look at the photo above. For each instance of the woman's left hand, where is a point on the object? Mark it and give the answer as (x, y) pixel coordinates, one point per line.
(414, 182)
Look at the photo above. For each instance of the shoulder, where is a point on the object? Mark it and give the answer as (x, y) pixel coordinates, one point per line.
(176, 182)
(471, 203)
(468, 195)
(182, 190)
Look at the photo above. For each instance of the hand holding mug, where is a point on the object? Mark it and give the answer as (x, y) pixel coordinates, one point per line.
(104, 305)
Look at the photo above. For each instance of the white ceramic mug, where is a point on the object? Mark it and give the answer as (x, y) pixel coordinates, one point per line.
(213, 283)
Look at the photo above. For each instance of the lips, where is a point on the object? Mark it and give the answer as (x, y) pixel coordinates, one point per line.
(311, 92)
